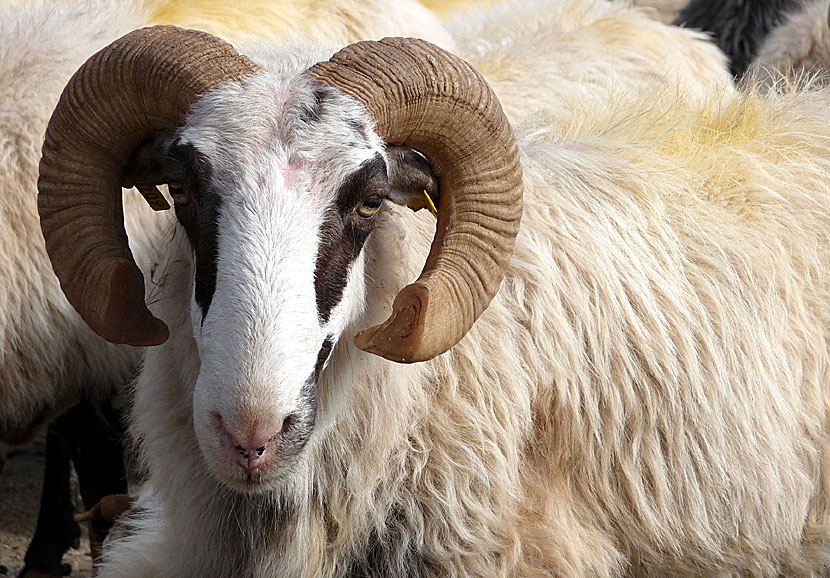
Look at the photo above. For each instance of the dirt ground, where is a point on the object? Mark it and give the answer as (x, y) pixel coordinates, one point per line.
(20, 483)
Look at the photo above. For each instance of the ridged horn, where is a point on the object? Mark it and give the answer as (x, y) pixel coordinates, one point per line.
(430, 100)
(142, 83)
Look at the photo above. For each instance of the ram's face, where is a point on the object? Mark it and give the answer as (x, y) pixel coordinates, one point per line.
(277, 188)
(278, 183)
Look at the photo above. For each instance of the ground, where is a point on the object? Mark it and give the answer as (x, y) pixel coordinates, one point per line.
(20, 483)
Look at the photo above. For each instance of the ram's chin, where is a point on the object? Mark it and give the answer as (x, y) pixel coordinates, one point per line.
(234, 477)
(249, 483)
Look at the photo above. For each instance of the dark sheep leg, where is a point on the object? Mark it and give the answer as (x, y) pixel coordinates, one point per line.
(92, 439)
(98, 455)
(56, 529)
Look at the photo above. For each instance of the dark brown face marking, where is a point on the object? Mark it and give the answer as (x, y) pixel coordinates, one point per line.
(322, 357)
(200, 218)
(345, 233)
(163, 160)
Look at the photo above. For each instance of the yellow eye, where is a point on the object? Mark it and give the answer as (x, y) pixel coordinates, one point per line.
(369, 207)
(179, 194)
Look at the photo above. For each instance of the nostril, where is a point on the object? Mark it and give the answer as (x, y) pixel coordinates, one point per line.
(251, 444)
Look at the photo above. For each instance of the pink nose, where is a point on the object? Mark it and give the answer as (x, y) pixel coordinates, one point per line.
(253, 447)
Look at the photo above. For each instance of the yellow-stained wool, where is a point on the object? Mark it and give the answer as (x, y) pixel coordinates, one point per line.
(333, 22)
(450, 8)
(683, 426)
(664, 11)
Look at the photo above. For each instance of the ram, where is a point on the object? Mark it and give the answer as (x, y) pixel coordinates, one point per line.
(49, 359)
(632, 382)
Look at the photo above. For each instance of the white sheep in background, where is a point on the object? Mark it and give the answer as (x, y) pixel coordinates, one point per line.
(565, 53)
(47, 354)
(49, 359)
(645, 394)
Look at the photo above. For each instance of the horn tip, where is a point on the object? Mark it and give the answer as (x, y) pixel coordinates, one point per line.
(141, 333)
(153, 332)
(85, 516)
(123, 316)
(108, 509)
(400, 338)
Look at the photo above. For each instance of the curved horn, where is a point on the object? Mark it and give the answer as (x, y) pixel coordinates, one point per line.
(142, 83)
(422, 96)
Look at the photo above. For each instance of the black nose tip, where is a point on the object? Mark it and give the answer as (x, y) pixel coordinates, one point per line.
(244, 452)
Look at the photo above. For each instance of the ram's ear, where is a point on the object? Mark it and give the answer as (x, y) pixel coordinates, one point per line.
(153, 164)
(411, 180)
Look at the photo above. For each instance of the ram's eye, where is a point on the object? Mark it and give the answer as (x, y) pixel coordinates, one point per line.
(179, 193)
(369, 207)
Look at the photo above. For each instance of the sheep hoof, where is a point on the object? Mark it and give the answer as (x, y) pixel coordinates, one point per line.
(62, 570)
(108, 509)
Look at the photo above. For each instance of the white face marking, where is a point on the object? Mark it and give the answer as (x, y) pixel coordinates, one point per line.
(261, 337)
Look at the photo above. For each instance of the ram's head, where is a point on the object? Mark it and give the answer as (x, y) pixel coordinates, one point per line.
(276, 183)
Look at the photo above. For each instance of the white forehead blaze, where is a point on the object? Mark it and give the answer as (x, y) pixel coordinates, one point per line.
(279, 149)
